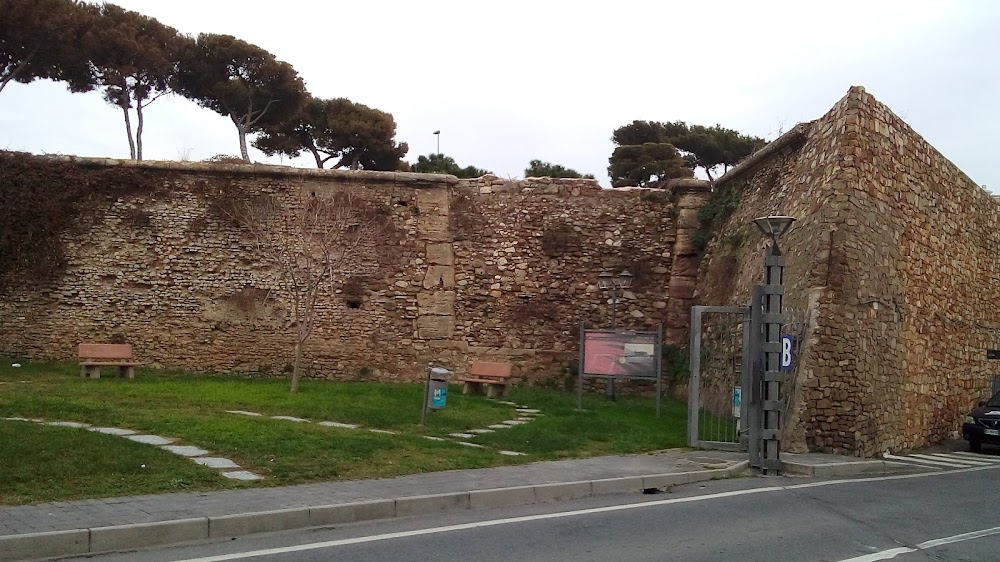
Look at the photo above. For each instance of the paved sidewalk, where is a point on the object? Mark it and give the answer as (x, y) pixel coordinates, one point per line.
(89, 526)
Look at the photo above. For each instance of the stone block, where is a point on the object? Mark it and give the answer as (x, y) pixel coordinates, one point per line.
(143, 535)
(351, 512)
(684, 243)
(418, 505)
(440, 253)
(435, 327)
(441, 276)
(433, 227)
(437, 303)
(686, 266)
(433, 201)
(682, 287)
(687, 219)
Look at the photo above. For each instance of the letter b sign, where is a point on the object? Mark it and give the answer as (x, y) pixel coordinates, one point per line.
(787, 342)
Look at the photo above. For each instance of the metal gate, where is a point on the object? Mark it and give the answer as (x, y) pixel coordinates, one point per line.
(717, 412)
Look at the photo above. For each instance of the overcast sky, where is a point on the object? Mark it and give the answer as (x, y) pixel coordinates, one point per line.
(508, 82)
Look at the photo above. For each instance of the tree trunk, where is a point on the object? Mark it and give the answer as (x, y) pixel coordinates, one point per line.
(319, 161)
(138, 131)
(128, 130)
(17, 70)
(296, 369)
(242, 131)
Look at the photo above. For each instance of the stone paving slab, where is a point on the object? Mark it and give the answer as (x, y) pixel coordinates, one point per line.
(242, 475)
(186, 450)
(113, 430)
(338, 424)
(215, 462)
(151, 439)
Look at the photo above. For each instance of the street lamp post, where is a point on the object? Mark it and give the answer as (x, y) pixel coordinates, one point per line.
(438, 135)
(615, 286)
(765, 446)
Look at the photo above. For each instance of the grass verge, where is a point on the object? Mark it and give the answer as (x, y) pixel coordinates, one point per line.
(45, 463)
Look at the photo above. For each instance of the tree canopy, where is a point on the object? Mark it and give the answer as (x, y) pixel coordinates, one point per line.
(241, 81)
(539, 169)
(42, 38)
(133, 58)
(646, 165)
(441, 164)
(355, 134)
(696, 145)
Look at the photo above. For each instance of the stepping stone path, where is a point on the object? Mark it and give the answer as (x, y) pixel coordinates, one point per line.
(524, 415)
(194, 453)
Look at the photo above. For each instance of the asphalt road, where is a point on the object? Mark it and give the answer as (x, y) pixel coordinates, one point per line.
(937, 516)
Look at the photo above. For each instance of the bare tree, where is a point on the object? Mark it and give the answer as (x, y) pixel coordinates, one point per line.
(315, 244)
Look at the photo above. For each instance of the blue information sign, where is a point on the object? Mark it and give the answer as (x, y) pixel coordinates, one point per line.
(787, 343)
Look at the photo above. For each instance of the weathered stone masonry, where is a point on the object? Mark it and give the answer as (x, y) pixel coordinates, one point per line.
(486, 269)
(891, 280)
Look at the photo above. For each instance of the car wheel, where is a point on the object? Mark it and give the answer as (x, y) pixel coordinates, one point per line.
(975, 446)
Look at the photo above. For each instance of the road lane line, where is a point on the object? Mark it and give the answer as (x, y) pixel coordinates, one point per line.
(559, 515)
(926, 545)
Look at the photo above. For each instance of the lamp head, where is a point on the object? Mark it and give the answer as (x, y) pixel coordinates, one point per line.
(604, 280)
(774, 225)
(625, 279)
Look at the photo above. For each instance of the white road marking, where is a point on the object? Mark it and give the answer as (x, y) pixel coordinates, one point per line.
(921, 462)
(959, 461)
(562, 514)
(978, 457)
(894, 552)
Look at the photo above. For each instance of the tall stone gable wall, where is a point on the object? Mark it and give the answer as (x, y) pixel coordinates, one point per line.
(485, 269)
(891, 280)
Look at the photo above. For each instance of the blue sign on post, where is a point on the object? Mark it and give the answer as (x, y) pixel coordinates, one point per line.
(787, 343)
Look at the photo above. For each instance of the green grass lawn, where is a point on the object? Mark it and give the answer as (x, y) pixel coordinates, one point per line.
(45, 463)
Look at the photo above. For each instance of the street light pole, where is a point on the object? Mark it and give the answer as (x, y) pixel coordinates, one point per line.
(765, 448)
(438, 135)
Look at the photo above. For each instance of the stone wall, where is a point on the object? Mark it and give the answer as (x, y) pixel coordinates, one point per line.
(891, 270)
(484, 269)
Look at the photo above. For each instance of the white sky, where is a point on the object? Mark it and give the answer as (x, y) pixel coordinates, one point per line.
(508, 82)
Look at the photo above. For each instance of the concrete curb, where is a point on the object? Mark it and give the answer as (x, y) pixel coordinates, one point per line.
(96, 540)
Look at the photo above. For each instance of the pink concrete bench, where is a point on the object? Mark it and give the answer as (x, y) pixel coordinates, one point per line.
(494, 376)
(93, 356)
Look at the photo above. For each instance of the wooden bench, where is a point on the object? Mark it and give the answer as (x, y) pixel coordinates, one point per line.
(93, 356)
(494, 376)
